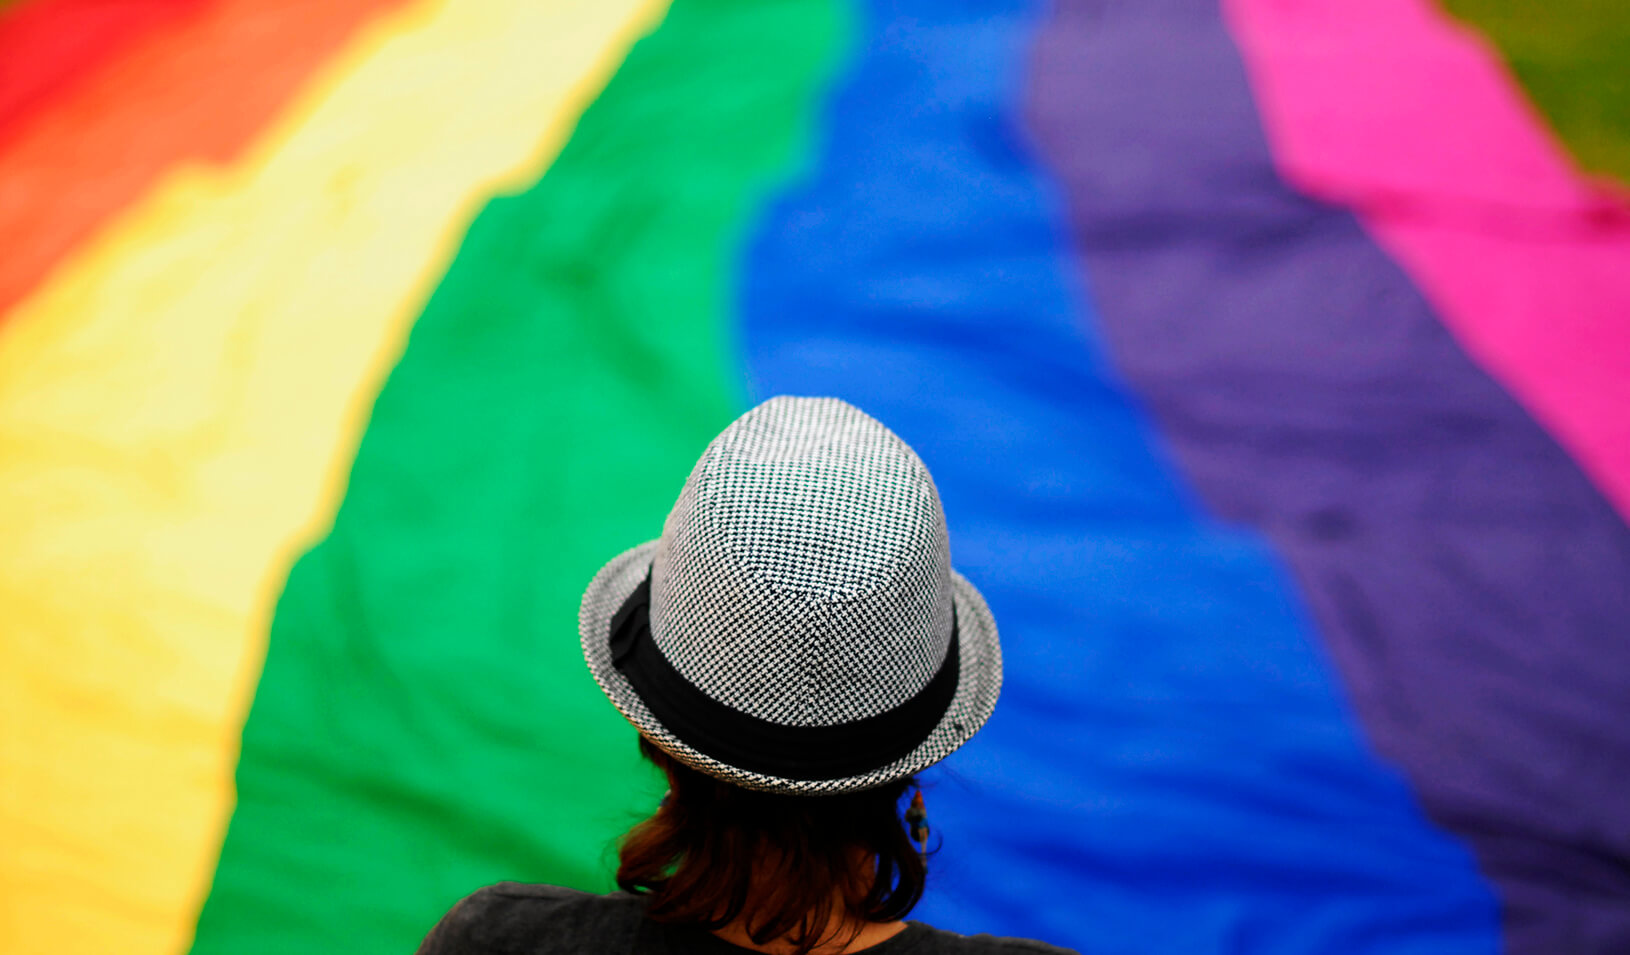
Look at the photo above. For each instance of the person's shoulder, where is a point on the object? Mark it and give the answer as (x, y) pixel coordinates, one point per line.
(513, 916)
(940, 940)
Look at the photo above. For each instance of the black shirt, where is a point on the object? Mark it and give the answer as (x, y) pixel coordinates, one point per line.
(515, 919)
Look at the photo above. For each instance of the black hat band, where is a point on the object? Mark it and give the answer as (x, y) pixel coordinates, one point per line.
(744, 741)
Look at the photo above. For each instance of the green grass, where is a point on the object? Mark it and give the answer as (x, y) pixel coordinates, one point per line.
(1573, 59)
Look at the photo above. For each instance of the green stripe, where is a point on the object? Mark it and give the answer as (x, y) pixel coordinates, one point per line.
(425, 724)
(1573, 58)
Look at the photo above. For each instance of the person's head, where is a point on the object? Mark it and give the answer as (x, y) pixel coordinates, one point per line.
(793, 649)
(794, 867)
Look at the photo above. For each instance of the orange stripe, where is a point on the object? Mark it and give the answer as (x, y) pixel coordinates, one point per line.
(199, 92)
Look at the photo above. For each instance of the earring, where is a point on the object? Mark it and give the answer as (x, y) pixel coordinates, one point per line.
(917, 824)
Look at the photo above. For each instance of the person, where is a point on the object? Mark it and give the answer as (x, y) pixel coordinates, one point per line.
(793, 650)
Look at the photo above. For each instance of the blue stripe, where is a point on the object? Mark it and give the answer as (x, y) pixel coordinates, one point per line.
(1172, 766)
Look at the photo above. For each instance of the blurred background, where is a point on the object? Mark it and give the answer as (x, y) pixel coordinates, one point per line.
(1272, 358)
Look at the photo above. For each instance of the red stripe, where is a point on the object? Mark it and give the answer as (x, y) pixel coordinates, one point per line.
(49, 46)
(199, 92)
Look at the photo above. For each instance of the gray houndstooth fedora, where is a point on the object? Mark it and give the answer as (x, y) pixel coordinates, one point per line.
(798, 628)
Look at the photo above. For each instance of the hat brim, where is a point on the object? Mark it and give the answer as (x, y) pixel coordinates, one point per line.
(979, 683)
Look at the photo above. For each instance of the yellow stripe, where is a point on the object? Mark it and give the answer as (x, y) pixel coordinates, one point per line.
(179, 406)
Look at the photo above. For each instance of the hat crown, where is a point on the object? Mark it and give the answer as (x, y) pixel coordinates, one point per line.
(804, 574)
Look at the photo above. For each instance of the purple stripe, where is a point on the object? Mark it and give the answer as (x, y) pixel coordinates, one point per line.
(1473, 587)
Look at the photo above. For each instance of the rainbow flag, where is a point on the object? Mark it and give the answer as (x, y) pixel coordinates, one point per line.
(1272, 358)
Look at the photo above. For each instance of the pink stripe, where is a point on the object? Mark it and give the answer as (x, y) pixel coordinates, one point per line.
(1389, 107)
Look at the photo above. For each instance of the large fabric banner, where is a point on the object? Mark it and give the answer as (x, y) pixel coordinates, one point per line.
(1272, 358)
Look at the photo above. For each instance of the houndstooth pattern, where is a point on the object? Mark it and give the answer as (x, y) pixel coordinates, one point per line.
(804, 577)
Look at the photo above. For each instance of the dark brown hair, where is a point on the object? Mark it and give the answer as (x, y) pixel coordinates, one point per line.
(715, 852)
